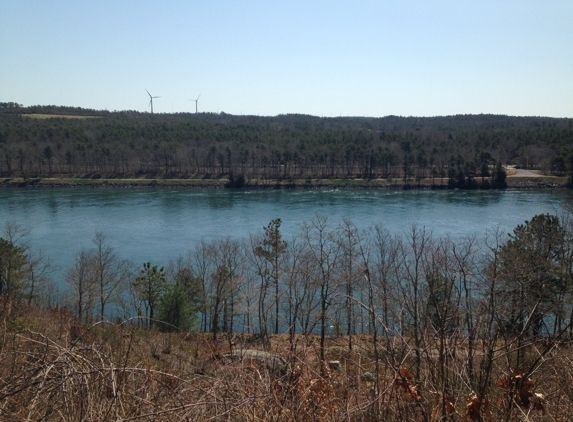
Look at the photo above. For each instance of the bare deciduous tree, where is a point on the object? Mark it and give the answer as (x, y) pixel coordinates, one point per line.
(110, 273)
(324, 252)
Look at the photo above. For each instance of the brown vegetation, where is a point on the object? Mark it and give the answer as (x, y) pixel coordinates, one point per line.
(52, 367)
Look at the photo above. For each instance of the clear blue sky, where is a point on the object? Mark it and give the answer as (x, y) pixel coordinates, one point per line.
(325, 58)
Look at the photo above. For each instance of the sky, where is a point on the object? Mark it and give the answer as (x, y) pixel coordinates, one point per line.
(269, 57)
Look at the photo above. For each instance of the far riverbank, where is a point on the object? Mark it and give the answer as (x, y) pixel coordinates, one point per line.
(518, 183)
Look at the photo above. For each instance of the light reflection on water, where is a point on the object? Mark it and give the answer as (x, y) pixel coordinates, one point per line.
(159, 224)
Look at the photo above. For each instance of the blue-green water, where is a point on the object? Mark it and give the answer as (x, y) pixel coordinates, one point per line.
(160, 224)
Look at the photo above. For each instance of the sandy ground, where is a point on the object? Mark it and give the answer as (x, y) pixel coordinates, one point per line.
(513, 172)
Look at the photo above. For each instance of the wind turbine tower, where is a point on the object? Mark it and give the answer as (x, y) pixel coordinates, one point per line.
(151, 100)
(196, 103)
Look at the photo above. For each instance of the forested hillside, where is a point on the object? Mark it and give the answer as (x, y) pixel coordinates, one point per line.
(43, 141)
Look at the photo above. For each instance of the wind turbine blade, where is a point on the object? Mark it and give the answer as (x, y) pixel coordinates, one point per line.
(147, 92)
(198, 98)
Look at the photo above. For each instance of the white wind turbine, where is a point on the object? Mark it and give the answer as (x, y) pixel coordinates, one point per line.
(196, 103)
(151, 100)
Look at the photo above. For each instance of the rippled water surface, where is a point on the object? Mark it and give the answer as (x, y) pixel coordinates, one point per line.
(160, 224)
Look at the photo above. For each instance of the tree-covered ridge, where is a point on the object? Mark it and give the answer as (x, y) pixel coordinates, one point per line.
(285, 146)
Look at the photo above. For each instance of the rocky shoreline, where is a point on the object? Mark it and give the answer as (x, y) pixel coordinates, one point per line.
(535, 184)
(527, 184)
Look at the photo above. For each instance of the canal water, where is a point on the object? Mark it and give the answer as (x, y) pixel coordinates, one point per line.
(157, 225)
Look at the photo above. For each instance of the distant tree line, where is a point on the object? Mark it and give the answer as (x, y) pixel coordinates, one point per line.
(127, 143)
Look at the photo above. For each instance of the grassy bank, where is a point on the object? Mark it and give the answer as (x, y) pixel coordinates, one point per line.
(541, 183)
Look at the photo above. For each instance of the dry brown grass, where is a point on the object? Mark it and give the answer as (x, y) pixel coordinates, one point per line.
(57, 116)
(53, 368)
